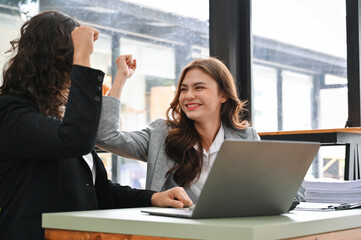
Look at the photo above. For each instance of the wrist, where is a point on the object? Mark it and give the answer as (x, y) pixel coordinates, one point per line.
(121, 77)
(153, 199)
(81, 60)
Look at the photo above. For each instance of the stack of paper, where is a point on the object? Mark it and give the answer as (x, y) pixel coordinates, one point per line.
(332, 191)
(310, 206)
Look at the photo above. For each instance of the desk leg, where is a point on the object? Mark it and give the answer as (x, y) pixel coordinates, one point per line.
(356, 169)
(352, 161)
(348, 164)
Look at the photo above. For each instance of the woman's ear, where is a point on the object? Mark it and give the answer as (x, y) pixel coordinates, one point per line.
(224, 99)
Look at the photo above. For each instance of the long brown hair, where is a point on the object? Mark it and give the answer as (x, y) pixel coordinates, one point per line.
(182, 135)
(42, 61)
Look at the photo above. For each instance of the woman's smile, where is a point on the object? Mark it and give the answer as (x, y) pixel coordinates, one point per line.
(192, 106)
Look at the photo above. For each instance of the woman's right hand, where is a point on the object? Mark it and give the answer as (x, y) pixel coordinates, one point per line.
(126, 66)
(175, 197)
(83, 42)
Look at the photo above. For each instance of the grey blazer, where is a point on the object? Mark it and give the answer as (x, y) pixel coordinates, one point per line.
(146, 144)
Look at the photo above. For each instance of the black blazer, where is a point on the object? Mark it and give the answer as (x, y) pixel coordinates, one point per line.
(41, 168)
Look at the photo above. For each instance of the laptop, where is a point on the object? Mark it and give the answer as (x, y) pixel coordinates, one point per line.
(250, 178)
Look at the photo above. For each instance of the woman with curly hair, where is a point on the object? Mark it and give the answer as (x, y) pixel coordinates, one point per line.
(180, 150)
(50, 104)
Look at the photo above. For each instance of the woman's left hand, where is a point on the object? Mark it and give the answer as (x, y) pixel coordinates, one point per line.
(126, 65)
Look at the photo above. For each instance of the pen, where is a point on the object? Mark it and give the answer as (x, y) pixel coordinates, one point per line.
(343, 206)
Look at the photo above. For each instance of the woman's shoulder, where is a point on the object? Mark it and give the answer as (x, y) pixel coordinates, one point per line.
(13, 107)
(158, 131)
(159, 125)
(247, 130)
(12, 101)
(248, 133)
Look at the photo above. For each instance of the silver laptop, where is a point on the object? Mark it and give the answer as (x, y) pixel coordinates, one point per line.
(250, 178)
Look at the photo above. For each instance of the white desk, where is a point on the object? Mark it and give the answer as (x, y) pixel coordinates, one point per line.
(130, 223)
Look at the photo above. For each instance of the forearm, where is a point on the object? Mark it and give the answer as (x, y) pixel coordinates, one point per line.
(81, 60)
(109, 124)
(82, 114)
(83, 40)
(25, 133)
(126, 144)
(117, 87)
(127, 197)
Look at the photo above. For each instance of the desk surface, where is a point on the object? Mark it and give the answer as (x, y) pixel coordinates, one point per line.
(334, 136)
(132, 221)
(334, 130)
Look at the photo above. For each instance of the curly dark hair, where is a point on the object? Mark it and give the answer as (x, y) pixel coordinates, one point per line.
(182, 135)
(41, 65)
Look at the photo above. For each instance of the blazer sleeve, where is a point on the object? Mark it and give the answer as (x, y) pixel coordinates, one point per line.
(27, 134)
(127, 197)
(113, 195)
(133, 144)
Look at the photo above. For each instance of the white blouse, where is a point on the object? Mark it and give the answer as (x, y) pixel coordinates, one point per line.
(208, 159)
(89, 160)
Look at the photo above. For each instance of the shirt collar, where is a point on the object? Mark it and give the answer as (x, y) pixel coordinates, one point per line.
(217, 142)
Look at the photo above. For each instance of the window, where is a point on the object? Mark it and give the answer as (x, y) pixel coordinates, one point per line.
(306, 45)
(299, 71)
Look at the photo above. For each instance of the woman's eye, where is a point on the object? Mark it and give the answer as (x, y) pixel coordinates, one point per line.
(183, 89)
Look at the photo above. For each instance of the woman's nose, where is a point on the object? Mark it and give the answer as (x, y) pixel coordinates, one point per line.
(190, 94)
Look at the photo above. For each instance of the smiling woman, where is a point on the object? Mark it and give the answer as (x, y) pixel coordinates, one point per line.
(180, 150)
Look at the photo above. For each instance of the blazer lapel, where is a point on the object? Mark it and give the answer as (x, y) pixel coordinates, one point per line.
(102, 184)
(162, 165)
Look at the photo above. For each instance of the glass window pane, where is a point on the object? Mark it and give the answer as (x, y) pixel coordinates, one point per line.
(304, 42)
(307, 37)
(9, 29)
(296, 101)
(333, 112)
(265, 98)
